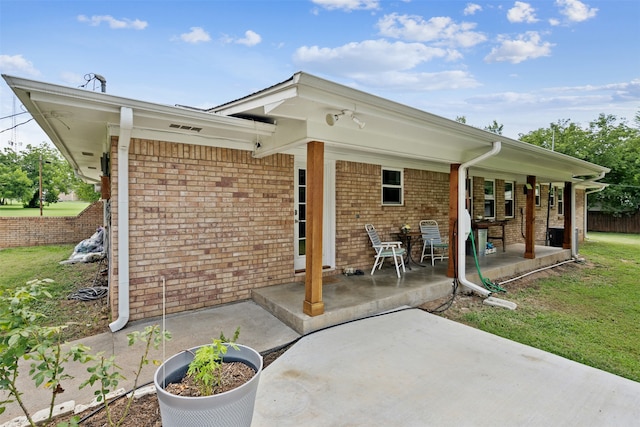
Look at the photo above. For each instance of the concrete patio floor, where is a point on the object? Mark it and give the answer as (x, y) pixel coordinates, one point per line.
(411, 368)
(352, 297)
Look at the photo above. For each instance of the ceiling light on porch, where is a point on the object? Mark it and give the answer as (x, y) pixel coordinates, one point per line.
(332, 118)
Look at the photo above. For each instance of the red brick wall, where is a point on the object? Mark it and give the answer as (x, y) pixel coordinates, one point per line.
(358, 187)
(39, 231)
(214, 223)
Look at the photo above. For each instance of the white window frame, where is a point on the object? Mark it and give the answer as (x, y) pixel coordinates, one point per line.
(491, 198)
(537, 194)
(393, 186)
(552, 196)
(512, 199)
(560, 201)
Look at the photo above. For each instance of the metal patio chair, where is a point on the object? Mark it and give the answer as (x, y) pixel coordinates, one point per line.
(433, 245)
(385, 250)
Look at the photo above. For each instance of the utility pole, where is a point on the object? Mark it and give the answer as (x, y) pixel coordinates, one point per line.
(40, 169)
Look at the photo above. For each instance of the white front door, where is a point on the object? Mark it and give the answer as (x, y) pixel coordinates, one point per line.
(300, 214)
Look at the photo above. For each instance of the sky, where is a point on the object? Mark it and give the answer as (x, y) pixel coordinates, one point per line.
(524, 64)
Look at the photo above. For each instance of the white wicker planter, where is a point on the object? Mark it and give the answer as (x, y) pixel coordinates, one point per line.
(233, 408)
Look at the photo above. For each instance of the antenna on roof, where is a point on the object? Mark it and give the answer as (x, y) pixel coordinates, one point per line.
(91, 77)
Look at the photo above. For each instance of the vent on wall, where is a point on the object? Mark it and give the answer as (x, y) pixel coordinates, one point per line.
(185, 127)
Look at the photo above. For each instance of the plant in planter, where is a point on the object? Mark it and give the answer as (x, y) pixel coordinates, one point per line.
(213, 403)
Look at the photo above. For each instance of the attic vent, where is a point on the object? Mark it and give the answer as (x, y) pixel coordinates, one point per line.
(185, 127)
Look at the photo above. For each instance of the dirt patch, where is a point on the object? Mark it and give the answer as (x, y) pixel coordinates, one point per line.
(234, 374)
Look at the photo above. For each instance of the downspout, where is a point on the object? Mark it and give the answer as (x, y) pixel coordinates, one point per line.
(124, 140)
(462, 224)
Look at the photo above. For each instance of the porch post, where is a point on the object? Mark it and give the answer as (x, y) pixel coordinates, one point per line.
(568, 216)
(529, 228)
(454, 192)
(313, 304)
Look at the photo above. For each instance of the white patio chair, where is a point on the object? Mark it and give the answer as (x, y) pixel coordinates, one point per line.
(433, 245)
(385, 250)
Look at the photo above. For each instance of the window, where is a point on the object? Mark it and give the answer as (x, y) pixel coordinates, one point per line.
(552, 196)
(508, 199)
(489, 199)
(537, 194)
(392, 186)
(560, 200)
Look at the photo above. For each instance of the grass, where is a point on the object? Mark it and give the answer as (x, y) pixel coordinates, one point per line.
(588, 314)
(20, 265)
(54, 209)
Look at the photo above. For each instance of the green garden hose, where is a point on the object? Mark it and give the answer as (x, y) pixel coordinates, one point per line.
(485, 282)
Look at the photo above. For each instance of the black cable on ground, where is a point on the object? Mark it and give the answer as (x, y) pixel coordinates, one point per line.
(447, 304)
(89, 294)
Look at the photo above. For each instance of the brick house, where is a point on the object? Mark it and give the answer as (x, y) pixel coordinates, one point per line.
(278, 185)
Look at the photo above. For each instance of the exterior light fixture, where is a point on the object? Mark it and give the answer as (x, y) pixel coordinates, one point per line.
(332, 118)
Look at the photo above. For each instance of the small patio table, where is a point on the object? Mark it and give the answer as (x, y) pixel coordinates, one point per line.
(407, 239)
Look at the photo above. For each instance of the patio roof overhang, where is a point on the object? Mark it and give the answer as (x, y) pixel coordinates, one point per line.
(283, 118)
(80, 123)
(394, 132)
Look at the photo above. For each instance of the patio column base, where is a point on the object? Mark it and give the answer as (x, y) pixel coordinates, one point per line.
(313, 308)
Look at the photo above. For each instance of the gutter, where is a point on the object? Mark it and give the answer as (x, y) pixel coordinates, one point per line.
(464, 220)
(124, 141)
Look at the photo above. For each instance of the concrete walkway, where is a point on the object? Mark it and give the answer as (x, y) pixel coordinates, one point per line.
(406, 368)
(411, 368)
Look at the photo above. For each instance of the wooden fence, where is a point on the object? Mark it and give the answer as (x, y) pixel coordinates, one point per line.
(598, 221)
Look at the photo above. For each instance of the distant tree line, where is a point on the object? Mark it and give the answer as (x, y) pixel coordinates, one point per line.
(606, 141)
(20, 177)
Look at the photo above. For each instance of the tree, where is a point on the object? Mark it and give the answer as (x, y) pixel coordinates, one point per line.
(608, 142)
(495, 127)
(57, 175)
(14, 182)
(86, 192)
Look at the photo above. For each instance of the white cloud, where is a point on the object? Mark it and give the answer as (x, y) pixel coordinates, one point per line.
(472, 8)
(575, 10)
(250, 38)
(526, 46)
(17, 64)
(407, 81)
(439, 30)
(522, 12)
(196, 35)
(348, 5)
(116, 24)
(369, 56)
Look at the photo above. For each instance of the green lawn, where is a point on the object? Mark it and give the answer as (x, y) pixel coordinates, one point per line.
(54, 209)
(20, 265)
(589, 314)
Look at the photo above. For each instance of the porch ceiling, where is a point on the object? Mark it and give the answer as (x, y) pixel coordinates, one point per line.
(299, 107)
